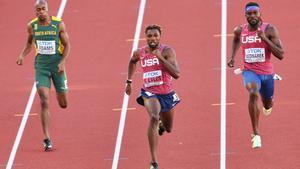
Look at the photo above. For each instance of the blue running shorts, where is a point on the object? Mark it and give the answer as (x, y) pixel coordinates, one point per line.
(265, 83)
(167, 101)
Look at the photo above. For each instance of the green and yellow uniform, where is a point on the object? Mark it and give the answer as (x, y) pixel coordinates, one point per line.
(48, 55)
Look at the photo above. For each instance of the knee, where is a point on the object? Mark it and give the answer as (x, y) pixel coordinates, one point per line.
(154, 119)
(268, 104)
(253, 96)
(44, 101)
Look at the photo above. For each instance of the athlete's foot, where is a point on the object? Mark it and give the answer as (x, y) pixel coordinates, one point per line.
(277, 77)
(47, 144)
(153, 165)
(256, 141)
(267, 112)
(161, 128)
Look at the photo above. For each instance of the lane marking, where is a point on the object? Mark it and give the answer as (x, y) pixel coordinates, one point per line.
(219, 35)
(21, 128)
(121, 158)
(61, 8)
(118, 109)
(21, 115)
(219, 104)
(131, 40)
(28, 106)
(126, 97)
(16, 165)
(223, 85)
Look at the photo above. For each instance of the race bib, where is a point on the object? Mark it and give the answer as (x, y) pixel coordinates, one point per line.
(46, 47)
(253, 55)
(153, 78)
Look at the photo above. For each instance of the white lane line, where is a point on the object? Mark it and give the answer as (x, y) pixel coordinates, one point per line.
(61, 8)
(126, 97)
(223, 86)
(28, 107)
(21, 128)
(129, 108)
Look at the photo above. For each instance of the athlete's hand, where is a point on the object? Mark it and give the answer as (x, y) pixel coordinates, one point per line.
(20, 60)
(157, 53)
(261, 34)
(128, 89)
(231, 63)
(61, 67)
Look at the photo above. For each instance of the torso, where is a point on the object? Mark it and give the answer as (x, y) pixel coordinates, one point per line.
(256, 53)
(47, 42)
(155, 77)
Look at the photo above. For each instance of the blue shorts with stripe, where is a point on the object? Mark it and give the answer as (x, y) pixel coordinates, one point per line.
(167, 101)
(265, 83)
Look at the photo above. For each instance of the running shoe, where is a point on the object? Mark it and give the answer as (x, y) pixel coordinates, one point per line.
(154, 165)
(256, 141)
(277, 77)
(238, 71)
(47, 144)
(161, 128)
(267, 112)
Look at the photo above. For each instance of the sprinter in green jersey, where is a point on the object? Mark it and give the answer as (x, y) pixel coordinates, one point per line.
(49, 37)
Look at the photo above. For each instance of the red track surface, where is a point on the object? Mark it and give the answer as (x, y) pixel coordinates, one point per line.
(84, 135)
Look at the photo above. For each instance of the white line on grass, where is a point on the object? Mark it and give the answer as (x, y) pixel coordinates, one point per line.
(126, 97)
(28, 107)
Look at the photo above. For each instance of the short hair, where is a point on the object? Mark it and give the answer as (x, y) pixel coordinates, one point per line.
(44, 2)
(153, 26)
(251, 4)
(41, 2)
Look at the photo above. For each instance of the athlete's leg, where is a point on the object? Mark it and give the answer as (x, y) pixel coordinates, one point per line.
(153, 107)
(253, 106)
(268, 103)
(252, 83)
(267, 92)
(167, 120)
(61, 87)
(62, 100)
(45, 115)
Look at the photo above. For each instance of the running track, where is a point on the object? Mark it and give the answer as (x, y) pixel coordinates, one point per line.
(84, 134)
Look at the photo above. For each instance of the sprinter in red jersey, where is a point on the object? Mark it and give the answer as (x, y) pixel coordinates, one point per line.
(159, 67)
(258, 41)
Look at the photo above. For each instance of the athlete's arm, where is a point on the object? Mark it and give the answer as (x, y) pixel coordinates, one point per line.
(26, 50)
(235, 45)
(64, 38)
(131, 69)
(168, 58)
(271, 37)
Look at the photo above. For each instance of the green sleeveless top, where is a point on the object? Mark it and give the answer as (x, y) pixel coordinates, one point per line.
(47, 43)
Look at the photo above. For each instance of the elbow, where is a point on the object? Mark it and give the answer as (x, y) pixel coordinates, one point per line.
(280, 56)
(176, 76)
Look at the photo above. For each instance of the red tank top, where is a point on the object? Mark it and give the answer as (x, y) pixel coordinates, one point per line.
(256, 52)
(156, 79)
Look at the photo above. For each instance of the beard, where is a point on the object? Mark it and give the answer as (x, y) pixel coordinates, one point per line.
(253, 22)
(42, 18)
(153, 45)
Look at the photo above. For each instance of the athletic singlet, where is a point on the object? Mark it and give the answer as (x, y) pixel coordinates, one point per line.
(256, 52)
(156, 79)
(47, 42)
